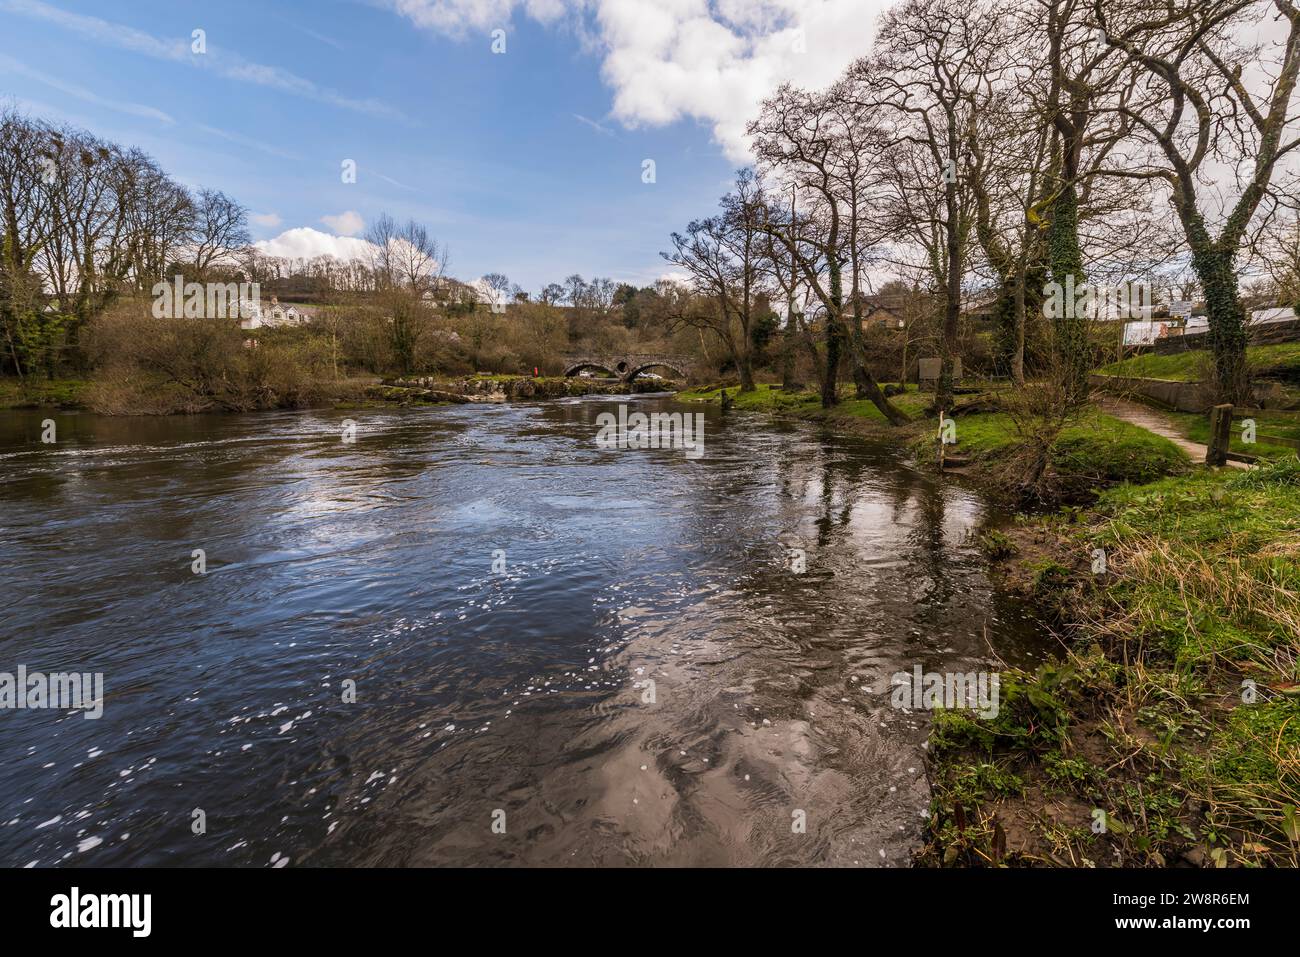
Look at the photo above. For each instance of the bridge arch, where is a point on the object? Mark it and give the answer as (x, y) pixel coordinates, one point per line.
(577, 367)
(628, 365)
(645, 367)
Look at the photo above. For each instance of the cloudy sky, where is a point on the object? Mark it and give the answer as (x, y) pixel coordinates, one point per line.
(527, 161)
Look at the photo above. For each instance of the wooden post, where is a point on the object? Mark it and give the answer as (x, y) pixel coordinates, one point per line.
(1220, 435)
(941, 448)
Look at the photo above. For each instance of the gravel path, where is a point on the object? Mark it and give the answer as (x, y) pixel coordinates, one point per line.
(1153, 421)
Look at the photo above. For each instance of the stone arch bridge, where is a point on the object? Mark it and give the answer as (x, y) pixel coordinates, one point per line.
(627, 366)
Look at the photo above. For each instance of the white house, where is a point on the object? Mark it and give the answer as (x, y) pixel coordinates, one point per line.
(250, 313)
(254, 316)
(1144, 333)
(1262, 317)
(495, 299)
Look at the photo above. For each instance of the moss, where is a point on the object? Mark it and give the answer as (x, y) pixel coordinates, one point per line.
(1069, 771)
(1048, 577)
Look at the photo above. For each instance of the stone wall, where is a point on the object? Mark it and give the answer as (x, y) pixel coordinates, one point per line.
(1273, 332)
(1180, 396)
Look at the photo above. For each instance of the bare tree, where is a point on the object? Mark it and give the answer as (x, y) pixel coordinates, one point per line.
(498, 288)
(1203, 112)
(797, 137)
(930, 60)
(25, 221)
(723, 255)
(220, 228)
(408, 265)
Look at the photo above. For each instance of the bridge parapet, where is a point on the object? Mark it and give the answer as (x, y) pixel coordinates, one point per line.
(627, 366)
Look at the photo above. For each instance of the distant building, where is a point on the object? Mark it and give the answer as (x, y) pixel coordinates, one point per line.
(253, 315)
(1262, 317)
(1198, 323)
(250, 314)
(883, 311)
(487, 295)
(1146, 332)
(980, 306)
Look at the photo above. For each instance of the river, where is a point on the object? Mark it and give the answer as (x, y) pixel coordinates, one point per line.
(471, 637)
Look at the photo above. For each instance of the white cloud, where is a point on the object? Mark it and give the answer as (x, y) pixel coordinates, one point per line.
(348, 223)
(667, 60)
(306, 243)
(224, 62)
(9, 65)
(603, 130)
(266, 220)
(459, 17)
(247, 142)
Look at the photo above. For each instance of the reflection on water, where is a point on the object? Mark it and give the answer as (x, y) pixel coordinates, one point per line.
(476, 692)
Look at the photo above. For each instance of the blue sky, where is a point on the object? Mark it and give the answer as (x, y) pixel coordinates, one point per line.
(487, 149)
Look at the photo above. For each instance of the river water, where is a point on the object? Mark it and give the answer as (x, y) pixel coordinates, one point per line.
(362, 677)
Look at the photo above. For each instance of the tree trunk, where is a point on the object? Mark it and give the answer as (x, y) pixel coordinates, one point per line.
(1070, 330)
(1018, 345)
(870, 389)
(745, 370)
(787, 352)
(952, 307)
(1227, 319)
(830, 382)
(834, 332)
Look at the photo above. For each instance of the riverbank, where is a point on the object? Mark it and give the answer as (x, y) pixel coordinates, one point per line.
(1090, 454)
(1167, 729)
(41, 393)
(343, 394)
(485, 387)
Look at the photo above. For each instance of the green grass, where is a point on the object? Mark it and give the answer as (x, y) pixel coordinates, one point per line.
(1196, 426)
(1211, 569)
(1275, 361)
(35, 393)
(1100, 448)
(1257, 755)
(1181, 720)
(770, 398)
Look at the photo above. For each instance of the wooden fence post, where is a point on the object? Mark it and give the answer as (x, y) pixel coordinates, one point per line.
(1220, 435)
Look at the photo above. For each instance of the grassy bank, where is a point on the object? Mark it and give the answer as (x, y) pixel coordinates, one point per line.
(1093, 453)
(851, 413)
(38, 393)
(1168, 731)
(1268, 423)
(1281, 361)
